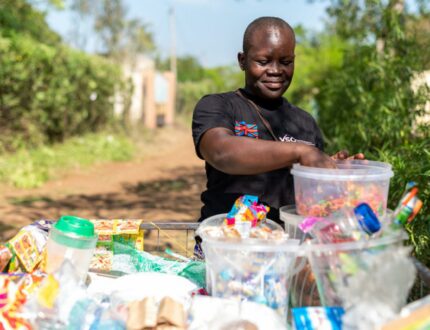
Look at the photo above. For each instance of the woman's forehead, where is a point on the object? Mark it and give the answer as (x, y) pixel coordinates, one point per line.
(272, 38)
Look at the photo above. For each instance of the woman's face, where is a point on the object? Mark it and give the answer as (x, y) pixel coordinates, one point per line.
(269, 62)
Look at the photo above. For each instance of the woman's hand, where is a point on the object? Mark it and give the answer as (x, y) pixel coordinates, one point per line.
(344, 155)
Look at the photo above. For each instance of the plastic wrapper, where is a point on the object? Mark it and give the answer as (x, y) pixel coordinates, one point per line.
(191, 270)
(115, 237)
(15, 290)
(376, 293)
(210, 313)
(52, 302)
(313, 318)
(25, 249)
(133, 261)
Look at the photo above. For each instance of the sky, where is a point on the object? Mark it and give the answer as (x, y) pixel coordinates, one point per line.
(210, 30)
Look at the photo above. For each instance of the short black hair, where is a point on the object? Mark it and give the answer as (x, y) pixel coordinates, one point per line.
(262, 23)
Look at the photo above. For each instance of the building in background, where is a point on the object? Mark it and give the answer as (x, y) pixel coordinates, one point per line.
(152, 103)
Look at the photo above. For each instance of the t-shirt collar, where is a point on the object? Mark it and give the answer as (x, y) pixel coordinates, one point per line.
(266, 104)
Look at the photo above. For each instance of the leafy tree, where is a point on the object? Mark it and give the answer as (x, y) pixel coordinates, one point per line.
(119, 36)
(368, 103)
(19, 16)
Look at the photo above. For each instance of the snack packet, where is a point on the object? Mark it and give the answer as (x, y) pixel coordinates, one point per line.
(24, 247)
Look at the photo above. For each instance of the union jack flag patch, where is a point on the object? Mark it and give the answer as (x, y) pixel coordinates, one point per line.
(244, 129)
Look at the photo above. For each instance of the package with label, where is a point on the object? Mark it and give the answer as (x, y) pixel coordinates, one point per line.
(115, 237)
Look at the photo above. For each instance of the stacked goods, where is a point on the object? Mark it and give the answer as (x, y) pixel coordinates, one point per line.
(114, 236)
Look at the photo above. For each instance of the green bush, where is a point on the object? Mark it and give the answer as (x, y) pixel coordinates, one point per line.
(368, 105)
(48, 94)
(31, 168)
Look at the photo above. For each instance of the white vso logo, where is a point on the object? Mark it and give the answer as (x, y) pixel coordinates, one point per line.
(287, 138)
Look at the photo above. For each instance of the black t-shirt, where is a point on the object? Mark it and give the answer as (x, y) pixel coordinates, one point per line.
(229, 110)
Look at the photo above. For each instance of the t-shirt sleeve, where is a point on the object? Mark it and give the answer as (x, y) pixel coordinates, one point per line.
(210, 112)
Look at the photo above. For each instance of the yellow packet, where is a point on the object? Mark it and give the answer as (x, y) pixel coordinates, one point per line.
(25, 248)
(48, 292)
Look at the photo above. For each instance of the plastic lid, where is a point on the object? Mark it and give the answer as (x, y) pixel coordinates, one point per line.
(74, 225)
(348, 170)
(367, 219)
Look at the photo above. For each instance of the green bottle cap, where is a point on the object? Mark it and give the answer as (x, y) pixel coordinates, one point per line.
(74, 232)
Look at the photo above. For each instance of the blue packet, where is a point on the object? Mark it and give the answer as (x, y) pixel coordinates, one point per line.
(318, 318)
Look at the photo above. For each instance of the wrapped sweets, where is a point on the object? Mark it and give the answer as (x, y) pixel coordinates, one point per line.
(247, 256)
(245, 220)
(322, 203)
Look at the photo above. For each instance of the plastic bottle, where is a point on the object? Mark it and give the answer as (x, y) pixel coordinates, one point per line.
(71, 238)
(345, 225)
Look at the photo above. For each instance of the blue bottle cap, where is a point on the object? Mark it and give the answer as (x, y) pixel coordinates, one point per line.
(367, 218)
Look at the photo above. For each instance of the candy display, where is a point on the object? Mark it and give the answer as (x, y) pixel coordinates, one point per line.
(247, 258)
(263, 278)
(319, 192)
(321, 202)
(247, 219)
(345, 225)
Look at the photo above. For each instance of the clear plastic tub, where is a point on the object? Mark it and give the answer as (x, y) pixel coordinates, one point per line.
(249, 269)
(335, 265)
(321, 191)
(302, 284)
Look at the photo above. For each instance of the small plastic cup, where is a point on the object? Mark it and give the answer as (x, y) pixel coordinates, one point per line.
(74, 239)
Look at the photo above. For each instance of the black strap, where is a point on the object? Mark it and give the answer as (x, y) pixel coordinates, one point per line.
(257, 108)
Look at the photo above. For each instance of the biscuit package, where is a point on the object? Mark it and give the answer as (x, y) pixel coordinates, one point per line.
(115, 237)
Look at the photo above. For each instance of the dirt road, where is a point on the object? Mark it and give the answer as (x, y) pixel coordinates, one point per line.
(164, 183)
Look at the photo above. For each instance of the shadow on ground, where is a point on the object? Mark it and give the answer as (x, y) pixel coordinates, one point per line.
(174, 199)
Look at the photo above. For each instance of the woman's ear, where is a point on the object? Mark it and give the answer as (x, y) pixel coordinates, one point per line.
(241, 60)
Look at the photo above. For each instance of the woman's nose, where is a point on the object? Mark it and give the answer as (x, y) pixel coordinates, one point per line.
(274, 68)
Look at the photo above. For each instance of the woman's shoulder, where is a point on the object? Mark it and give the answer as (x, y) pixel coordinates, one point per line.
(299, 112)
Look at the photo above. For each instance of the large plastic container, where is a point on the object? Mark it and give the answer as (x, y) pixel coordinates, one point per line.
(249, 269)
(302, 283)
(74, 239)
(335, 265)
(321, 191)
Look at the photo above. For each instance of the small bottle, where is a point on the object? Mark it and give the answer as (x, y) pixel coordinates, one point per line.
(345, 225)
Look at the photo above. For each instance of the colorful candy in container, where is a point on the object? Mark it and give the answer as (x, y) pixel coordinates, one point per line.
(345, 225)
(248, 257)
(320, 192)
(360, 263)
